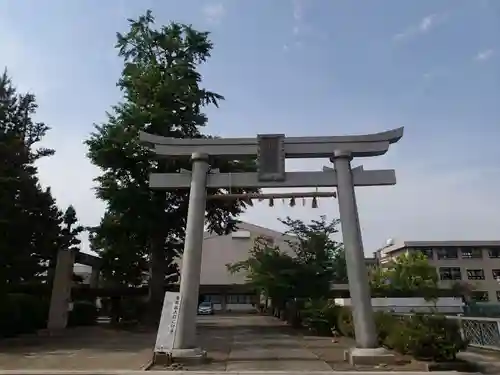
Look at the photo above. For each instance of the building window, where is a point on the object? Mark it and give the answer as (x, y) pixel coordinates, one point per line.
(237, 299)
(447, 253)
(498, 295)
(494, 253)
(479, 296)
(471, 253)
(450, 273)
(496, 274)
(475, 274)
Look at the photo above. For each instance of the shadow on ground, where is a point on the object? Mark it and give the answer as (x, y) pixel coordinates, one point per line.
(81, 348)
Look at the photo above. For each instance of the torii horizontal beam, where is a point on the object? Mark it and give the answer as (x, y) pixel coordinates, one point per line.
(170, 181)
(294, 147)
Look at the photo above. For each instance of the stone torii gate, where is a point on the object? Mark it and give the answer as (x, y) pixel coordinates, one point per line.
(271, 151)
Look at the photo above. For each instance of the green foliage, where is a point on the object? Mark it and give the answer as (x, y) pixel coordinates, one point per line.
(32, 228)
(427, 337)
(269, 270)
(423, 336)
(22, 313)
(163, 96)
(409, 272)
(345, 323)
(280, 275)
(314, 247)
(320, 316)
(84, 313)
(464, 290)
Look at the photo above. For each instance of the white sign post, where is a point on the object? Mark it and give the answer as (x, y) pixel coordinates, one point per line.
(168, 323)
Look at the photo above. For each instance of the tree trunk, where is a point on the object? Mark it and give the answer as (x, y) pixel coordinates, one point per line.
(156, 282)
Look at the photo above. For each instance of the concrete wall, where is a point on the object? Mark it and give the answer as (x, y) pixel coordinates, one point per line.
(221, 250)
(405, 305)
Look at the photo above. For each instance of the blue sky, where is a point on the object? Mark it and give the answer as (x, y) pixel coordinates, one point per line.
(303, 67)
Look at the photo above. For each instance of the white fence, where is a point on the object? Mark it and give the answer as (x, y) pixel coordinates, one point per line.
(443, 305)
(481, 332)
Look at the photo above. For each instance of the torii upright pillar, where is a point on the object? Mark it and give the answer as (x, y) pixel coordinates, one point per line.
(191, 259)
(366, 334)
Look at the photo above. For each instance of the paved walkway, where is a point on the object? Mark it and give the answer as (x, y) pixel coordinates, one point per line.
(263, 343)
(83, 348)
(234, 343)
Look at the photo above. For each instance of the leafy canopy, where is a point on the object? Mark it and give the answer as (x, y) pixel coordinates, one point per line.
(306, 269)
(163, 95)
(32, 228)
(409, 272)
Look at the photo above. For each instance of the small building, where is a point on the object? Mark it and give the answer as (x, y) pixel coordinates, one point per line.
(476, 263)
(225, 290)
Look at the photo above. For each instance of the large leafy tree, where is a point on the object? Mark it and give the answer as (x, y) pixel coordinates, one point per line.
(316, 260)
(409, 272)
(315, 245)
(163, 95)
(32, 228)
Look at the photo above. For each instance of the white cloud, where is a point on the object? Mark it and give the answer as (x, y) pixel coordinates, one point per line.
(484, 55)
(425, 25)
(214, 13)
(300, 27)
(298, 10)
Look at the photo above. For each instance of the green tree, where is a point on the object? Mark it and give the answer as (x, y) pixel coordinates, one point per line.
(269, 270)
(464, 290)
(280, 274)
(124, 262)
(162, 95)
(315, 246)
(409, 272)
(30, 232)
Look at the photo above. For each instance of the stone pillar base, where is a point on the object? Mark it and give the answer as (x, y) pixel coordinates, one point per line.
(369, 356)
(187, 356)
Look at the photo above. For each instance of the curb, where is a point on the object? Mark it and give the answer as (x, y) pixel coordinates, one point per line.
(127, 372)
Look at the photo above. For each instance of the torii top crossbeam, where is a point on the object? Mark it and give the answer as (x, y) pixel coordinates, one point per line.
(294, 147)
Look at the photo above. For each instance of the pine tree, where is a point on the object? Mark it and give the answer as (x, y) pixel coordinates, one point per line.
(162, 95)
(30, 222)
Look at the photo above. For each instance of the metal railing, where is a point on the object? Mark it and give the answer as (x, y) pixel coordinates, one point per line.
(480, 332)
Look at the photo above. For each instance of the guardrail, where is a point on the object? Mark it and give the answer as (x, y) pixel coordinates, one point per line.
(481, 332)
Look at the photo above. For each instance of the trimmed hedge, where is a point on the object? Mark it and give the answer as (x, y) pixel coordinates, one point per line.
(27, 313)
(423, 336)
(22, 313)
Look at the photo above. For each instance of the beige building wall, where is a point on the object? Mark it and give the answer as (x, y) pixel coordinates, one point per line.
(218, 251)
(474, 262)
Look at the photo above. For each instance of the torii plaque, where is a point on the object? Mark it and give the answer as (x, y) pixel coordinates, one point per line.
(272, 150)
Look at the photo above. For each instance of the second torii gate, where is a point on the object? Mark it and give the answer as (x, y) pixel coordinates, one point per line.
(271, 151)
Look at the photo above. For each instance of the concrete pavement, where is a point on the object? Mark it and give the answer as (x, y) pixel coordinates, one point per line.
(236, 344)
(254, 343)
(242, 343)
(81, 348)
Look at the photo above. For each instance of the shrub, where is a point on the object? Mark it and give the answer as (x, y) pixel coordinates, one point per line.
(345, 323)
(423, 336)
(428, 337)
(132, 309)
(84, 313)
(384, 323)
(22, 313)
(320, 316)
